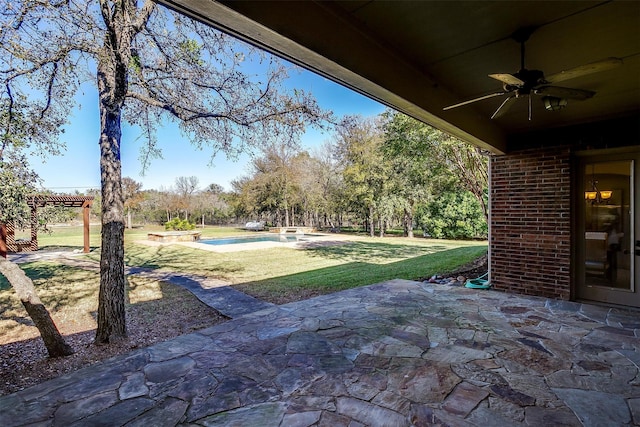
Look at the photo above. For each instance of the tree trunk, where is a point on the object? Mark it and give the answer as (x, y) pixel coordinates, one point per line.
(129, 218)
(408, 220)
(286, 214)
(111, 299)
(53, 340)
(111, 310)
(371, 221)
(485, 209)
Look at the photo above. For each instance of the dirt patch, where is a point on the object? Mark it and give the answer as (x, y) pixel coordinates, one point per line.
(24, 361)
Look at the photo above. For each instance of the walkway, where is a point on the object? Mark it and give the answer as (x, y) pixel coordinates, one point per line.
(399, 353)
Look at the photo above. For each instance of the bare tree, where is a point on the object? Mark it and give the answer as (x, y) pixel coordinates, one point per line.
(149, 65)
(186, 187)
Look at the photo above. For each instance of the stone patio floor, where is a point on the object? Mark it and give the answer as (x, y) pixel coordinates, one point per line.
(399, 353)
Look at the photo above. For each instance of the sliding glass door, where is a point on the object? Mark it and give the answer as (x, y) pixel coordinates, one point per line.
(608, 244)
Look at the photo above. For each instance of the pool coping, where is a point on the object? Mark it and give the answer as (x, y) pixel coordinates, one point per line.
(316, 241)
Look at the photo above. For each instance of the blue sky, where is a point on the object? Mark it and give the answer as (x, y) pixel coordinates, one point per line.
(78, 166)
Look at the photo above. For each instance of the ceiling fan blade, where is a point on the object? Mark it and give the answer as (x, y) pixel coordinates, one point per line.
(474, 100)
(509, 79)
(583, 70)
(504, 107)
(564, 92)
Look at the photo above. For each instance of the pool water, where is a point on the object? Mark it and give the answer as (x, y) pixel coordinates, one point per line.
(282, 238)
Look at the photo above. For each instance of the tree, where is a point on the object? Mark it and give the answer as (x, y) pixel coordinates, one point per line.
(132, 196)
(185, 188)
(429, 163)
(214, 188)
(149, 65)
(207, 202)
(328, 195)
(273, 187)
(469, 164)
(16, 185)
(53, 340)
(454, 214)
(359, 144)
(415, 173)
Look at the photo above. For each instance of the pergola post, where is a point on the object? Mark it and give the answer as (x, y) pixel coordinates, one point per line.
(10, 236)
(86, 208)
(3, 240)
(33, 245)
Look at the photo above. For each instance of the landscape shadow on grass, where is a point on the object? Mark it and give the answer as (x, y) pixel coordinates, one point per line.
(361, 273)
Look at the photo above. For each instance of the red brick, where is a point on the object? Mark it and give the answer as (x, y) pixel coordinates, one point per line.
(531, 222)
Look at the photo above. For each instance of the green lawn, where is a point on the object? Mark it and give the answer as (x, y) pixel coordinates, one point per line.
(277, 273)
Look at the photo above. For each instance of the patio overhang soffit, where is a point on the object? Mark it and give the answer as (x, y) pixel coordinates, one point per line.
(419, 57)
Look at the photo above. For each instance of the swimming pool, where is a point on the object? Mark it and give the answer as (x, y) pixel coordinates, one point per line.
(282, 238)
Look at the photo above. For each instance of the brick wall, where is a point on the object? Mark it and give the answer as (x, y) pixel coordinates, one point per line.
(530, 222)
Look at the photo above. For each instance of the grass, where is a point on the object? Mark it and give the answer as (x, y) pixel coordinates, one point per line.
(71, 296)
(277, 273)
(332, 269)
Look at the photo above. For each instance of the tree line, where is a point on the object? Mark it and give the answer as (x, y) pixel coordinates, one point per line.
(374, 174)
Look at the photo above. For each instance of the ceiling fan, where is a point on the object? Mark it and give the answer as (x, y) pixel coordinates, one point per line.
(526, 82)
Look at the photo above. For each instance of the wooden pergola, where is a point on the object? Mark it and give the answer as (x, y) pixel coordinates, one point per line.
(7, 231)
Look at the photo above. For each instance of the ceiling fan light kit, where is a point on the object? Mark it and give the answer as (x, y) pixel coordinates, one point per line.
(533, 82)
(551, 103)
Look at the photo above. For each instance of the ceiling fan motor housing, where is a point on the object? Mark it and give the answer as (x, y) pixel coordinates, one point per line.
(530, 78)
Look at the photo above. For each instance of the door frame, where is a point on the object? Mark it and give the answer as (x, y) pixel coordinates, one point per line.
(604, 295)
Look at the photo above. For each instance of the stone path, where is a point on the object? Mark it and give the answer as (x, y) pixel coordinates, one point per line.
(399, 353)
(213, 292)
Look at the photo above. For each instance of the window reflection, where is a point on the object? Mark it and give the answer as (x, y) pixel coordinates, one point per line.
(607, 223)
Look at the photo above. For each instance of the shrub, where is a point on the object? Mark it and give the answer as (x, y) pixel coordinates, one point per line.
(177, 224)
(453, 215)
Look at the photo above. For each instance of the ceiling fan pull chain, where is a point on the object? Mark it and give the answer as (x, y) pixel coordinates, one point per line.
(529, 107)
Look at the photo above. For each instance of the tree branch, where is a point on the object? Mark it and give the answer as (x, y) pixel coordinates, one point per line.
(52, 79)
(7, 131)
(143, 16)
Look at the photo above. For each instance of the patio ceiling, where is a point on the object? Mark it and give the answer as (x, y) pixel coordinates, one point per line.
(419, 57)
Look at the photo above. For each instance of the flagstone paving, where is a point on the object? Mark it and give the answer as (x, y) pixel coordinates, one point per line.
(399, 353)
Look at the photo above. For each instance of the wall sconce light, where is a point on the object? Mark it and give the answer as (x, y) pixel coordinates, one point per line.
(551, 103)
